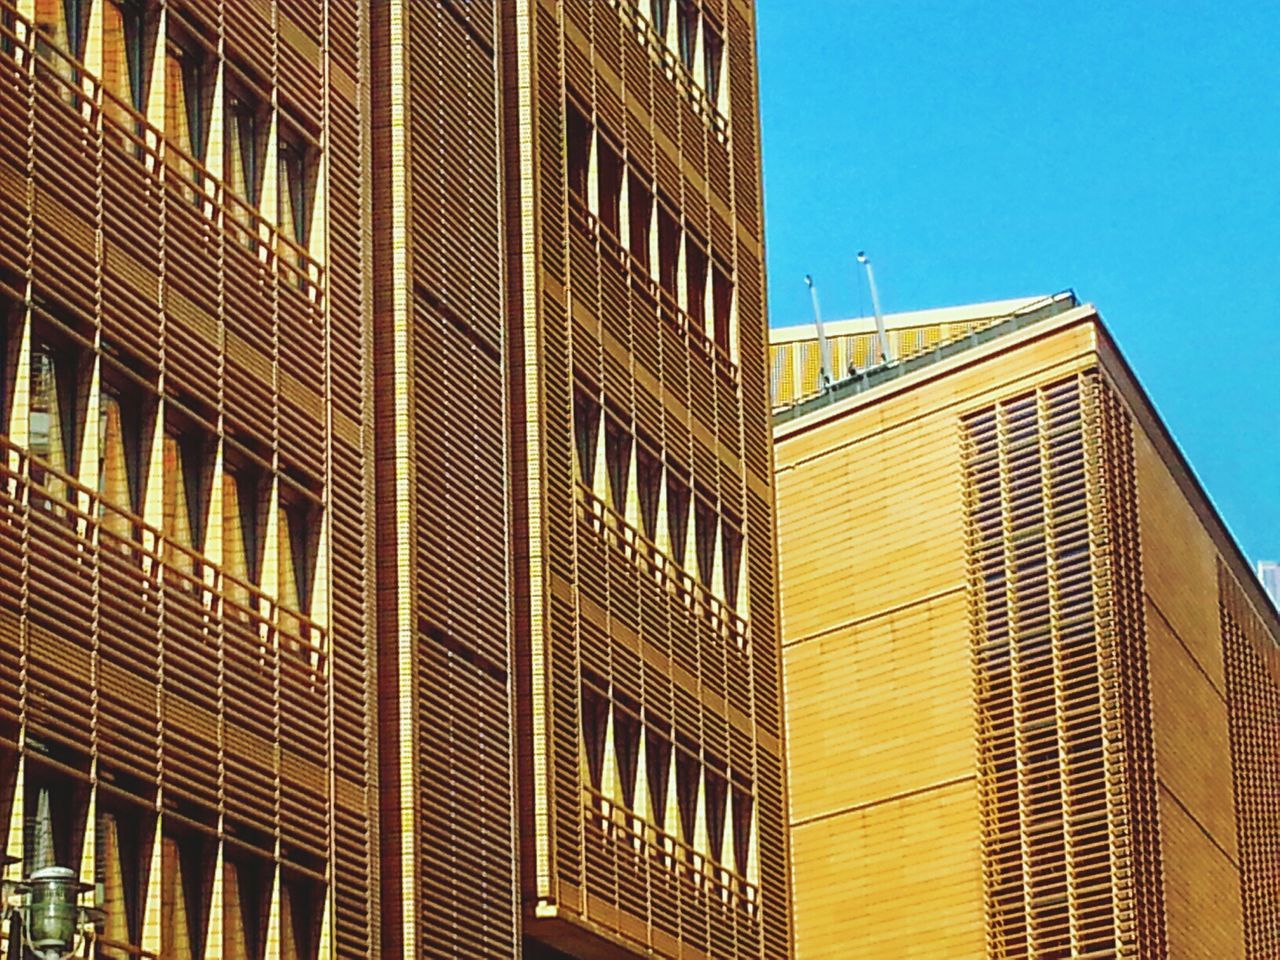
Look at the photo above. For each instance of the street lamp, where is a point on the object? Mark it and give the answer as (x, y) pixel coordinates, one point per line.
(45, 921)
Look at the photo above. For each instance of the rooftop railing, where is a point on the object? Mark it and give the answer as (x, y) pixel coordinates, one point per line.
(877, 376)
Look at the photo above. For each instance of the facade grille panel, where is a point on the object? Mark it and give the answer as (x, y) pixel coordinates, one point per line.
(300, 301)
(445, 722)
(1253, 699)
(1063, 784)
(1069, 827)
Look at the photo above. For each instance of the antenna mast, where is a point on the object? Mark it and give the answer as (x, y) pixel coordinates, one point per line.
(824, 351)
(875, 305)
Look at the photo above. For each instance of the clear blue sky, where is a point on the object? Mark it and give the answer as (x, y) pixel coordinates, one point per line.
(978, 150)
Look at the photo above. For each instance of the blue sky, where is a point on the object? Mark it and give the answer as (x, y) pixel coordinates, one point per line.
(982, 150)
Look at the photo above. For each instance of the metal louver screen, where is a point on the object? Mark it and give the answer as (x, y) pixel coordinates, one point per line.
(1059, 657)
(1253, 704)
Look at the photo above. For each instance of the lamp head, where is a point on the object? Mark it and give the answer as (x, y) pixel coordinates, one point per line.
(53, 915)
(862, 256)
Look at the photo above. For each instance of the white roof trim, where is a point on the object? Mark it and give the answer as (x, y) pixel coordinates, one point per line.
(911, 318)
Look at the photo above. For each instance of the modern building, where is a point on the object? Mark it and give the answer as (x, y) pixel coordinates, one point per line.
(186, 675)
(649, 718)
(386, 520)
(1269, 574)
(1032, 685)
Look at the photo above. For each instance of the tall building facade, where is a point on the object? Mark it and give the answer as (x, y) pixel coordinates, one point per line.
(1032, 684)
(445, 663)
(385, 488)
(186, 681)
(649, 724)
(579, 729)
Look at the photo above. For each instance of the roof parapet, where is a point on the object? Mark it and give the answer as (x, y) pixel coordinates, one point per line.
(868, 379)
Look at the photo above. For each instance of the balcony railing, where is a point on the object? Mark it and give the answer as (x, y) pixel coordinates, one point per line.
(125, 130)
(27, 484)
(673, 67)
(613, 528)
(630, 833)
(613, 251)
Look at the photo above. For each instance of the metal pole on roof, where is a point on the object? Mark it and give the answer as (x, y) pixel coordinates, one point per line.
(875, 305)
(824, 352)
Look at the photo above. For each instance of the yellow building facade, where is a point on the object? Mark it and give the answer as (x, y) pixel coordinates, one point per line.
(1032, 688)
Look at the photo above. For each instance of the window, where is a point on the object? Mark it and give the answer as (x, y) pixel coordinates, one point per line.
(187, 465)
(688, 774)
(696, 282)
(687, 31)
(189, 93)
(241, 526)
(677, 515)
(247, 881)
(298, 538)
(717, 787)
(119, 472)
(245, 132)
(8, 25)
(187, 867)
(668, 251)
(300, 917)
(617, 457)
(63, 24)
(138, 47)
(639, 218)
(299, 535)
(610, 187)
(55, 808)
(721, 308)
(658, 12)
(626, 740)
(297, 188)
(713, 58)
(126, 49)
(586, 432)
(60, 29)
(57, 389)
(122, 857)
(743, 802)
(704, 522)
(595, 720)
(77, 17)
(8, 784)
(731, 555)
(649, 487)
(46, 424)
(577, 151)
(9, 341)
(657, 765)
(123, 415)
